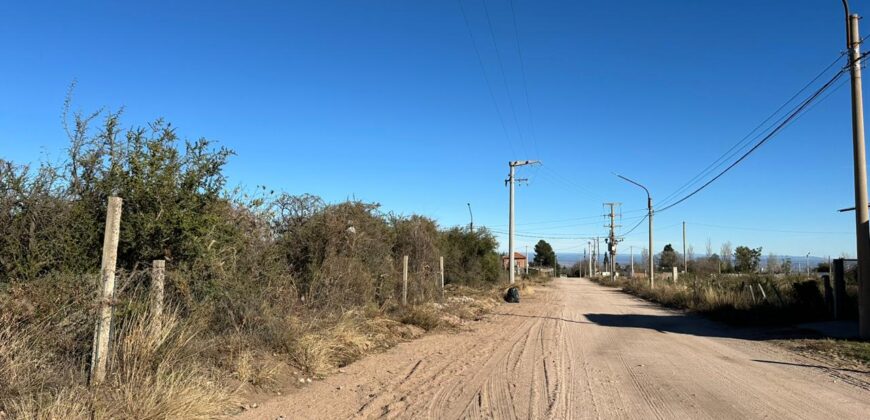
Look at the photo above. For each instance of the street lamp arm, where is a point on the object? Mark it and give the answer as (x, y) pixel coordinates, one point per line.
(635, 183)
(848, 26)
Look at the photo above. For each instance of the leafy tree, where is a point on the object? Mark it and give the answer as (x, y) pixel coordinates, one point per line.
(470, 257)
(823, 267)
(544, 255)
(668, 258)
(786, 266)
(746, 260)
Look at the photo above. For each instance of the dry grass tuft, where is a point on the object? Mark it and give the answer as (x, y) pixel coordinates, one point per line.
(69, 403)
(423, 316)
(19, 363)
(256, 369)
(155, 374)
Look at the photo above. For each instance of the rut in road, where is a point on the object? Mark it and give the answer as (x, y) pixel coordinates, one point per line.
(579, 350)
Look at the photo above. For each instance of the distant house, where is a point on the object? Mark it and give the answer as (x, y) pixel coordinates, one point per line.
(519, 259)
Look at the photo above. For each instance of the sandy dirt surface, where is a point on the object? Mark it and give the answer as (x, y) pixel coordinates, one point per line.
(578, 350)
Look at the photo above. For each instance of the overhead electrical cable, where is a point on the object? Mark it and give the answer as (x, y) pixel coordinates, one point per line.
(503, 73)
(525, 79)
(740, 145)
(795, 113)
(488, 82)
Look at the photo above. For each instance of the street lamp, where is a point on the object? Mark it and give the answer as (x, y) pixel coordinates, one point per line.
(470, 226)
(808, 263)
(649, 205)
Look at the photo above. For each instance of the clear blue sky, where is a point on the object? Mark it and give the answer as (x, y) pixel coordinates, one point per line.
(387, 101)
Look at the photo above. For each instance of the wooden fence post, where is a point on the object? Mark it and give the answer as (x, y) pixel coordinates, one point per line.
(158, 275)
(442, 272)
(405, 280)
(102, 330)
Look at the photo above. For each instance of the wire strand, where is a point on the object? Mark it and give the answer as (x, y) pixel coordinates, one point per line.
(746, 139)
(776, 130)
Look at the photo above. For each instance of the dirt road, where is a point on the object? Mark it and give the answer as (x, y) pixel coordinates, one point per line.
(579, 350)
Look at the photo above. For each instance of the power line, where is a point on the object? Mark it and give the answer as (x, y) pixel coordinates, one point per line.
(568, 220)
(486, 78)
(567, 182)
(503, 73)
(635, 226)
(776, 130)
(802, 232)
(525, 81)
(751, 135)
(542, 235)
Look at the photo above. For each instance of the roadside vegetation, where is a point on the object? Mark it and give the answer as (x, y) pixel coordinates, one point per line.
(734, 290)
(734, 298)
(260, 286)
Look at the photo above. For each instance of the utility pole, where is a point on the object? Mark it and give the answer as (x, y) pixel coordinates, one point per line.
(527, 260)
(512, 180)
(632, 261)
(808, 263)
(859, 155)
(589, 261)
(611, 240)
(102, 330)
(685, 256)
(652, 253)
(470, 214)
(595, 256)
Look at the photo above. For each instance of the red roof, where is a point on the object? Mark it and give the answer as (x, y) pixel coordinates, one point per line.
(517, 256)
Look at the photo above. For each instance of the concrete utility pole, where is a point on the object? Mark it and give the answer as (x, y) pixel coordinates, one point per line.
(632, 261)
(685, 257)
(100, 351)
(158, 276)
(589, 261)
(611, 240)
(652, 253)
(527, 260)
(595, 256)
(405, 280)
(441, 263)
(859, 155)
(512, 180)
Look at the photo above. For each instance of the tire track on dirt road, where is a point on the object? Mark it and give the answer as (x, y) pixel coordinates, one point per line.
(578, 350)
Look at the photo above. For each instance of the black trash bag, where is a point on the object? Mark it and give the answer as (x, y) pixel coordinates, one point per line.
(512, 295)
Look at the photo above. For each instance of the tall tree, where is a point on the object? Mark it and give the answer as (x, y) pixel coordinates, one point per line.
(668, 258)
(746, 260)
(786, 266)
(544, 254)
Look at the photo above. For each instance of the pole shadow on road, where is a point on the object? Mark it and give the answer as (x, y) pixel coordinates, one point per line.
(543, 317)
(694, 325)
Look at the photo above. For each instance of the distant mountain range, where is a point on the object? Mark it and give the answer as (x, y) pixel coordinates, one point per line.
(569, 258)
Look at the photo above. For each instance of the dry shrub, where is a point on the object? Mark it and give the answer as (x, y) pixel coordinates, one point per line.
(352, 339)
(312, 352)
(256, 369)
(423, 316)
(527, 289)
(386, 332)
(323, 348)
